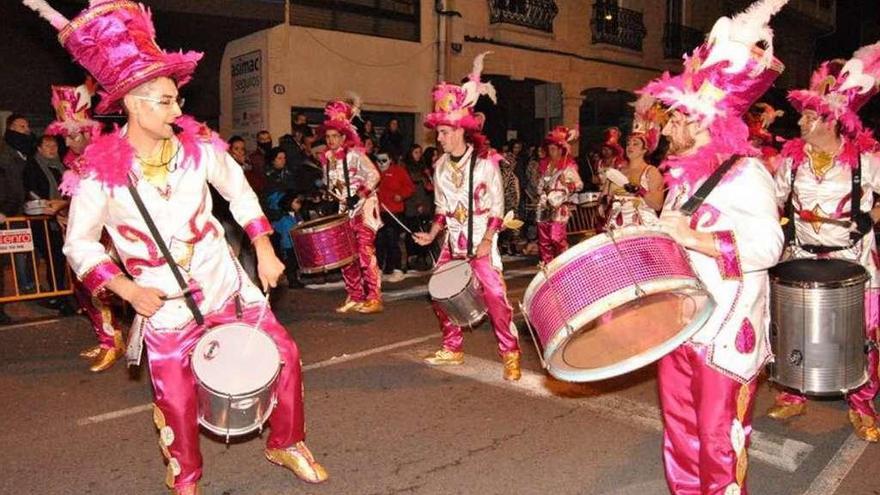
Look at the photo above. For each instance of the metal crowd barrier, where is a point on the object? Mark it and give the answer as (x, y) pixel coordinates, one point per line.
(31, 261)
(584, 220)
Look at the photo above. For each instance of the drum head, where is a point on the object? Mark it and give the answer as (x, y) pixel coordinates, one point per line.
(631, 336)
(825, 272)
(450, 279)
(235, 359)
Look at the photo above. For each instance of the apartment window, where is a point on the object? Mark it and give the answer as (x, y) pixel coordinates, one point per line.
(398, 19)
(615, 25)
(533, 14)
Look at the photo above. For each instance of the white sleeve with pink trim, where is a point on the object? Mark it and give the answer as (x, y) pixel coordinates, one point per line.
(871, 171)
(82, 245)
(225, 174)
(496, 194)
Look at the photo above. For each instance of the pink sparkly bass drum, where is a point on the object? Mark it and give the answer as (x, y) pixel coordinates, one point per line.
(614, 303)
(323, 244)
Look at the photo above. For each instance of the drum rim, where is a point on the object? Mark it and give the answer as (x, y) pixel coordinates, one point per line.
(319, 224)
(234, 432)
(853, 281)
(328, 267)
(581, 248)
(242, 395)
(612, 301)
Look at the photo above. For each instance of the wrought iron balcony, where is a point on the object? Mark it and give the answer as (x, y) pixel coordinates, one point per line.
(618, 26)
(679, 39)
(533, 14)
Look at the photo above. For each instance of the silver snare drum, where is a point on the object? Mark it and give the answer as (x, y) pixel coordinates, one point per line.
(454, 287)
(236, 366)
(817, 332)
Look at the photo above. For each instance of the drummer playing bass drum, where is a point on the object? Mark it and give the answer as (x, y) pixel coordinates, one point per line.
(820, 174)
(469, 201)
(707, 385)
(352, 178)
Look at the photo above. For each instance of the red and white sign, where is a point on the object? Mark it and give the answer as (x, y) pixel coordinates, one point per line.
(16, 241)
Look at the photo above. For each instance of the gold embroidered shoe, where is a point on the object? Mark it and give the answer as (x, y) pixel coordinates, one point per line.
(90, 353)
(192, 489)
(512, 370)
(865, 426)
(370, 307)
(445, 357)
(107, 357)
(782, 411)
(349, 305)
(299, 460)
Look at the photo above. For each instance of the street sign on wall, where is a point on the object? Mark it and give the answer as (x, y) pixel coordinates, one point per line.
(247, 94)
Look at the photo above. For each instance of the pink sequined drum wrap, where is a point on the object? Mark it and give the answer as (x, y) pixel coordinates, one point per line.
(323, 244)
(609, 305)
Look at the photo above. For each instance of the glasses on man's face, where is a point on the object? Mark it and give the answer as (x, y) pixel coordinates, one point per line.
(165, 101)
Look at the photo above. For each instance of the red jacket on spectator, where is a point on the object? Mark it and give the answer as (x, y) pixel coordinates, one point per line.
(395, 182)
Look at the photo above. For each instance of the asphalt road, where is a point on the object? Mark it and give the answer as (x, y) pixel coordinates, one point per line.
(384, 423)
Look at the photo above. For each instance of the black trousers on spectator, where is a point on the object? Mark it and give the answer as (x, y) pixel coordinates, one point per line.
(56, 271)
(388, 245)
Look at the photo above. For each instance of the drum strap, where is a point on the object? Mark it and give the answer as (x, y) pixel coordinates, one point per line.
(694, 202)
(470, 241)
(190, 302)
(347, 178)
(856, 197)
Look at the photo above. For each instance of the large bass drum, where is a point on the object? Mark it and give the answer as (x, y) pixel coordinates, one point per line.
(323, 244)
(818, 319)
(614, 303)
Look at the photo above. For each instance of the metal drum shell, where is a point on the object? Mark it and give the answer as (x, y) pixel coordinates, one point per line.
(466, 307)
(236, 414)
(323, 244)
(553, 338)
(817, 334)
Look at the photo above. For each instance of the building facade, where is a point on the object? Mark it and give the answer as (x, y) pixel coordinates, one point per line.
(553, 62)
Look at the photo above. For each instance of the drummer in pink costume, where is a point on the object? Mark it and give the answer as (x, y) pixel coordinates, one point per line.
(170, 167)
(707, 385)
(356, 192)
(472, 221)
(817, 171)
(74, 123)
(558, 179)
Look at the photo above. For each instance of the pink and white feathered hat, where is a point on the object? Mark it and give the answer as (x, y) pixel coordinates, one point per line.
(454, 105)
(724, 76)
(648, 121)
(116, 42)
(72, 106)
(563, 137)
(338, 115)
(839, 89)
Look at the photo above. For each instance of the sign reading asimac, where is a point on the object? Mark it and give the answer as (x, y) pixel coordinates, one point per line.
(16, 241)
(247, 94)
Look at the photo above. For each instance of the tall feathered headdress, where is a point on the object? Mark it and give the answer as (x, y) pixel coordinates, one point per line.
(454, 105)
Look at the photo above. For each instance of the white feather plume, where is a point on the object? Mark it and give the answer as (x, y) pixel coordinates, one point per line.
(355, 101)
(732, 40)
(474, 87)
(54, 17)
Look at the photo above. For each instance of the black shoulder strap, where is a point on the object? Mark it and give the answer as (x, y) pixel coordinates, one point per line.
(345, 174)
(190, 302)
(856, 195)
(694, 202)
(470, 235)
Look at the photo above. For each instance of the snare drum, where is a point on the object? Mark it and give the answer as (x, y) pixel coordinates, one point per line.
(235, 366)
(817, 330)
(610, 305)
(454, 287)
(324, 244)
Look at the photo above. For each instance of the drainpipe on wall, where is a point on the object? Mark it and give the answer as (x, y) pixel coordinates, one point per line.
(442, 36)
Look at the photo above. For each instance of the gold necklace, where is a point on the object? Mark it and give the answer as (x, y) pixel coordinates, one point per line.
(156, 168)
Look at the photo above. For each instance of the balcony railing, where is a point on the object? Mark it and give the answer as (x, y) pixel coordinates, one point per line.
(618, 26)
(533, 14)
(678, 40)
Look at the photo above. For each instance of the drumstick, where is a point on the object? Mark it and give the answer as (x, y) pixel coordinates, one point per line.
(393, 216)
(810, 217)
